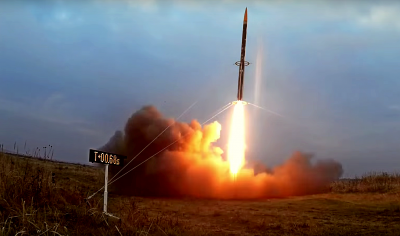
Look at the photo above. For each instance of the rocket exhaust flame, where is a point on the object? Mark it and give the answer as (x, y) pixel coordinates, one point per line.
(236, 146)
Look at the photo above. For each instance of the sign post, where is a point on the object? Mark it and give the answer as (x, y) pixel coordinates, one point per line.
(107, 159)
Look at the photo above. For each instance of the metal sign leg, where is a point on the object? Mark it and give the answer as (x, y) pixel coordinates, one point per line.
(105, 188)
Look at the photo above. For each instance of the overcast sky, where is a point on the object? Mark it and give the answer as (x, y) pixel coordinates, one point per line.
(71, 73)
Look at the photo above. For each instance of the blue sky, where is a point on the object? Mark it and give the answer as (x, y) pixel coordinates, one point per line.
(72, 73)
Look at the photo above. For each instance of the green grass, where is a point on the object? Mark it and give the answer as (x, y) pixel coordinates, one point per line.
(42, 197)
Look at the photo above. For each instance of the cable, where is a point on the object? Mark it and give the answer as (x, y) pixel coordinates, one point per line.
(219, 111)
(153, 140)
(146, 147)
(277, 114)
(168, 145)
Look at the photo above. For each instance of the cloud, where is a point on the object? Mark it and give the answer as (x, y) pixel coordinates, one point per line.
(382, 17)
(394, 107)
(317, 55)
(56, 15)
(55, 109)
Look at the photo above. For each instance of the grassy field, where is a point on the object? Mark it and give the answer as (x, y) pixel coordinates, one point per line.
(42, 197)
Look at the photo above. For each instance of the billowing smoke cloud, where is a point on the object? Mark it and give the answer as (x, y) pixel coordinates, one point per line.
(193, 166)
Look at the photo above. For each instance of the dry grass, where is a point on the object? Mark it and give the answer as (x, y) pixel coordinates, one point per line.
(369, 183)
(324, 214)
(49, 198)
(41, 197)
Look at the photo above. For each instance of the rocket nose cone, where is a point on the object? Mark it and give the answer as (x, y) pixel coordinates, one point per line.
(245, 15)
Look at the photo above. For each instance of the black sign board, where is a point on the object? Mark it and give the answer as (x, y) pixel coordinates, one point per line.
(106, 158)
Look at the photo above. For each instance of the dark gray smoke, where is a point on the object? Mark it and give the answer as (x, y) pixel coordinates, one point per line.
(193, 166)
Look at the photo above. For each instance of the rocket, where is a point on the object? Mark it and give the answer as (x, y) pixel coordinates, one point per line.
(242, 63)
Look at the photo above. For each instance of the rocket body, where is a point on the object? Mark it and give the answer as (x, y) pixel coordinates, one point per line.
(242, 59)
